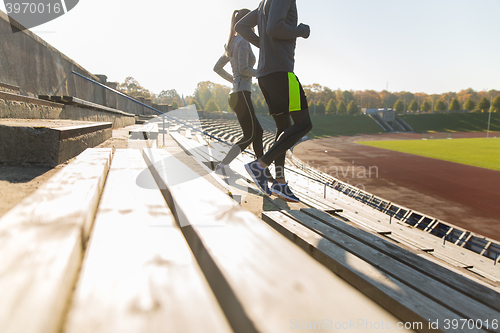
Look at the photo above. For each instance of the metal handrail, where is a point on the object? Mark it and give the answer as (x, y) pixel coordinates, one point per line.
(150, 107)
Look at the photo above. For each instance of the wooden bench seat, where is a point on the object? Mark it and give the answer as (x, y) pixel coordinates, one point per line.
(146, 132)
(201, 139)
(139, 274)
(195, 148)
(418, 239)
(42, 241)
(458, 256)
(174, 128)
(169, 252)
(263, 282)
(376, 262)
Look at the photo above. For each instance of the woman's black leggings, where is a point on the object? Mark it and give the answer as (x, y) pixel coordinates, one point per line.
(241, 104)
(286, 136)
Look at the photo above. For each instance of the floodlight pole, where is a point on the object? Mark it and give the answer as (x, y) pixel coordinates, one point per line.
(489, 117)
(164, 132)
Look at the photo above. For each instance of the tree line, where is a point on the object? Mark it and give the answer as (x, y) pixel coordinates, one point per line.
(213, 97)
(324, 100)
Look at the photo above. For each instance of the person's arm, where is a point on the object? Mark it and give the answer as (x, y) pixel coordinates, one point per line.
(245, 27)
(243, 51)
(219, 68)
(276, 25)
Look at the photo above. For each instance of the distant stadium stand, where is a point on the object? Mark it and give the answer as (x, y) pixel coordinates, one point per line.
(436, 136)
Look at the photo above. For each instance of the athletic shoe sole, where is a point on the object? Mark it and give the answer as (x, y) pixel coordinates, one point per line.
(283, 196)
(250, 172)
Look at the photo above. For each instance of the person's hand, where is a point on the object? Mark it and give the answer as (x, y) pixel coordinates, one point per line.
(306, 30)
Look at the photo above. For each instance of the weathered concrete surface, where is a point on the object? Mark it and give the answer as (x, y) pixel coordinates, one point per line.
(22, 107)
(118, 119)
(19, 181)
(9, 88)
(30, 63)
(37, 68)
(39, 142)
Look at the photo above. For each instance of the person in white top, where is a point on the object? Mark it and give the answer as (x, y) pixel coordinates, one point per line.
(239, 54)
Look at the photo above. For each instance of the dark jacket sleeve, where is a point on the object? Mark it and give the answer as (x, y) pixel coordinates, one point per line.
(276, 25)
(245, 25)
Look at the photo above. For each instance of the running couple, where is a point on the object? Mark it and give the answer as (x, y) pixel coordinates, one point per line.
(277, 22)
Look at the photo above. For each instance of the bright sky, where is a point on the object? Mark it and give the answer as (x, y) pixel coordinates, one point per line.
(431, 46)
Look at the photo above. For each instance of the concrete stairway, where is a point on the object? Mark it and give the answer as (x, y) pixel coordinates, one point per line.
(51, 142)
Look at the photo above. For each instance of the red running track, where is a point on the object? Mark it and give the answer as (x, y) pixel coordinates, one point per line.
(466, 196)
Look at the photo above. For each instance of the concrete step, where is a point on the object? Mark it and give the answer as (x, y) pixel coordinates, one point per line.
(143, 119)
(70, 100)
(9, 88)
(44, 141)
(15, 106)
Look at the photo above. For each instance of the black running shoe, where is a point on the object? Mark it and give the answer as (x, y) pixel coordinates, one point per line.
(259, 176)
(284, 192)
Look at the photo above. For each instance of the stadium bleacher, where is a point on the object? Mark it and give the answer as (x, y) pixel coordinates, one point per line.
(137, 241)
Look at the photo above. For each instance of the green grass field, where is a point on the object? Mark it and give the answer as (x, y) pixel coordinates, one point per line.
(477, 152)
